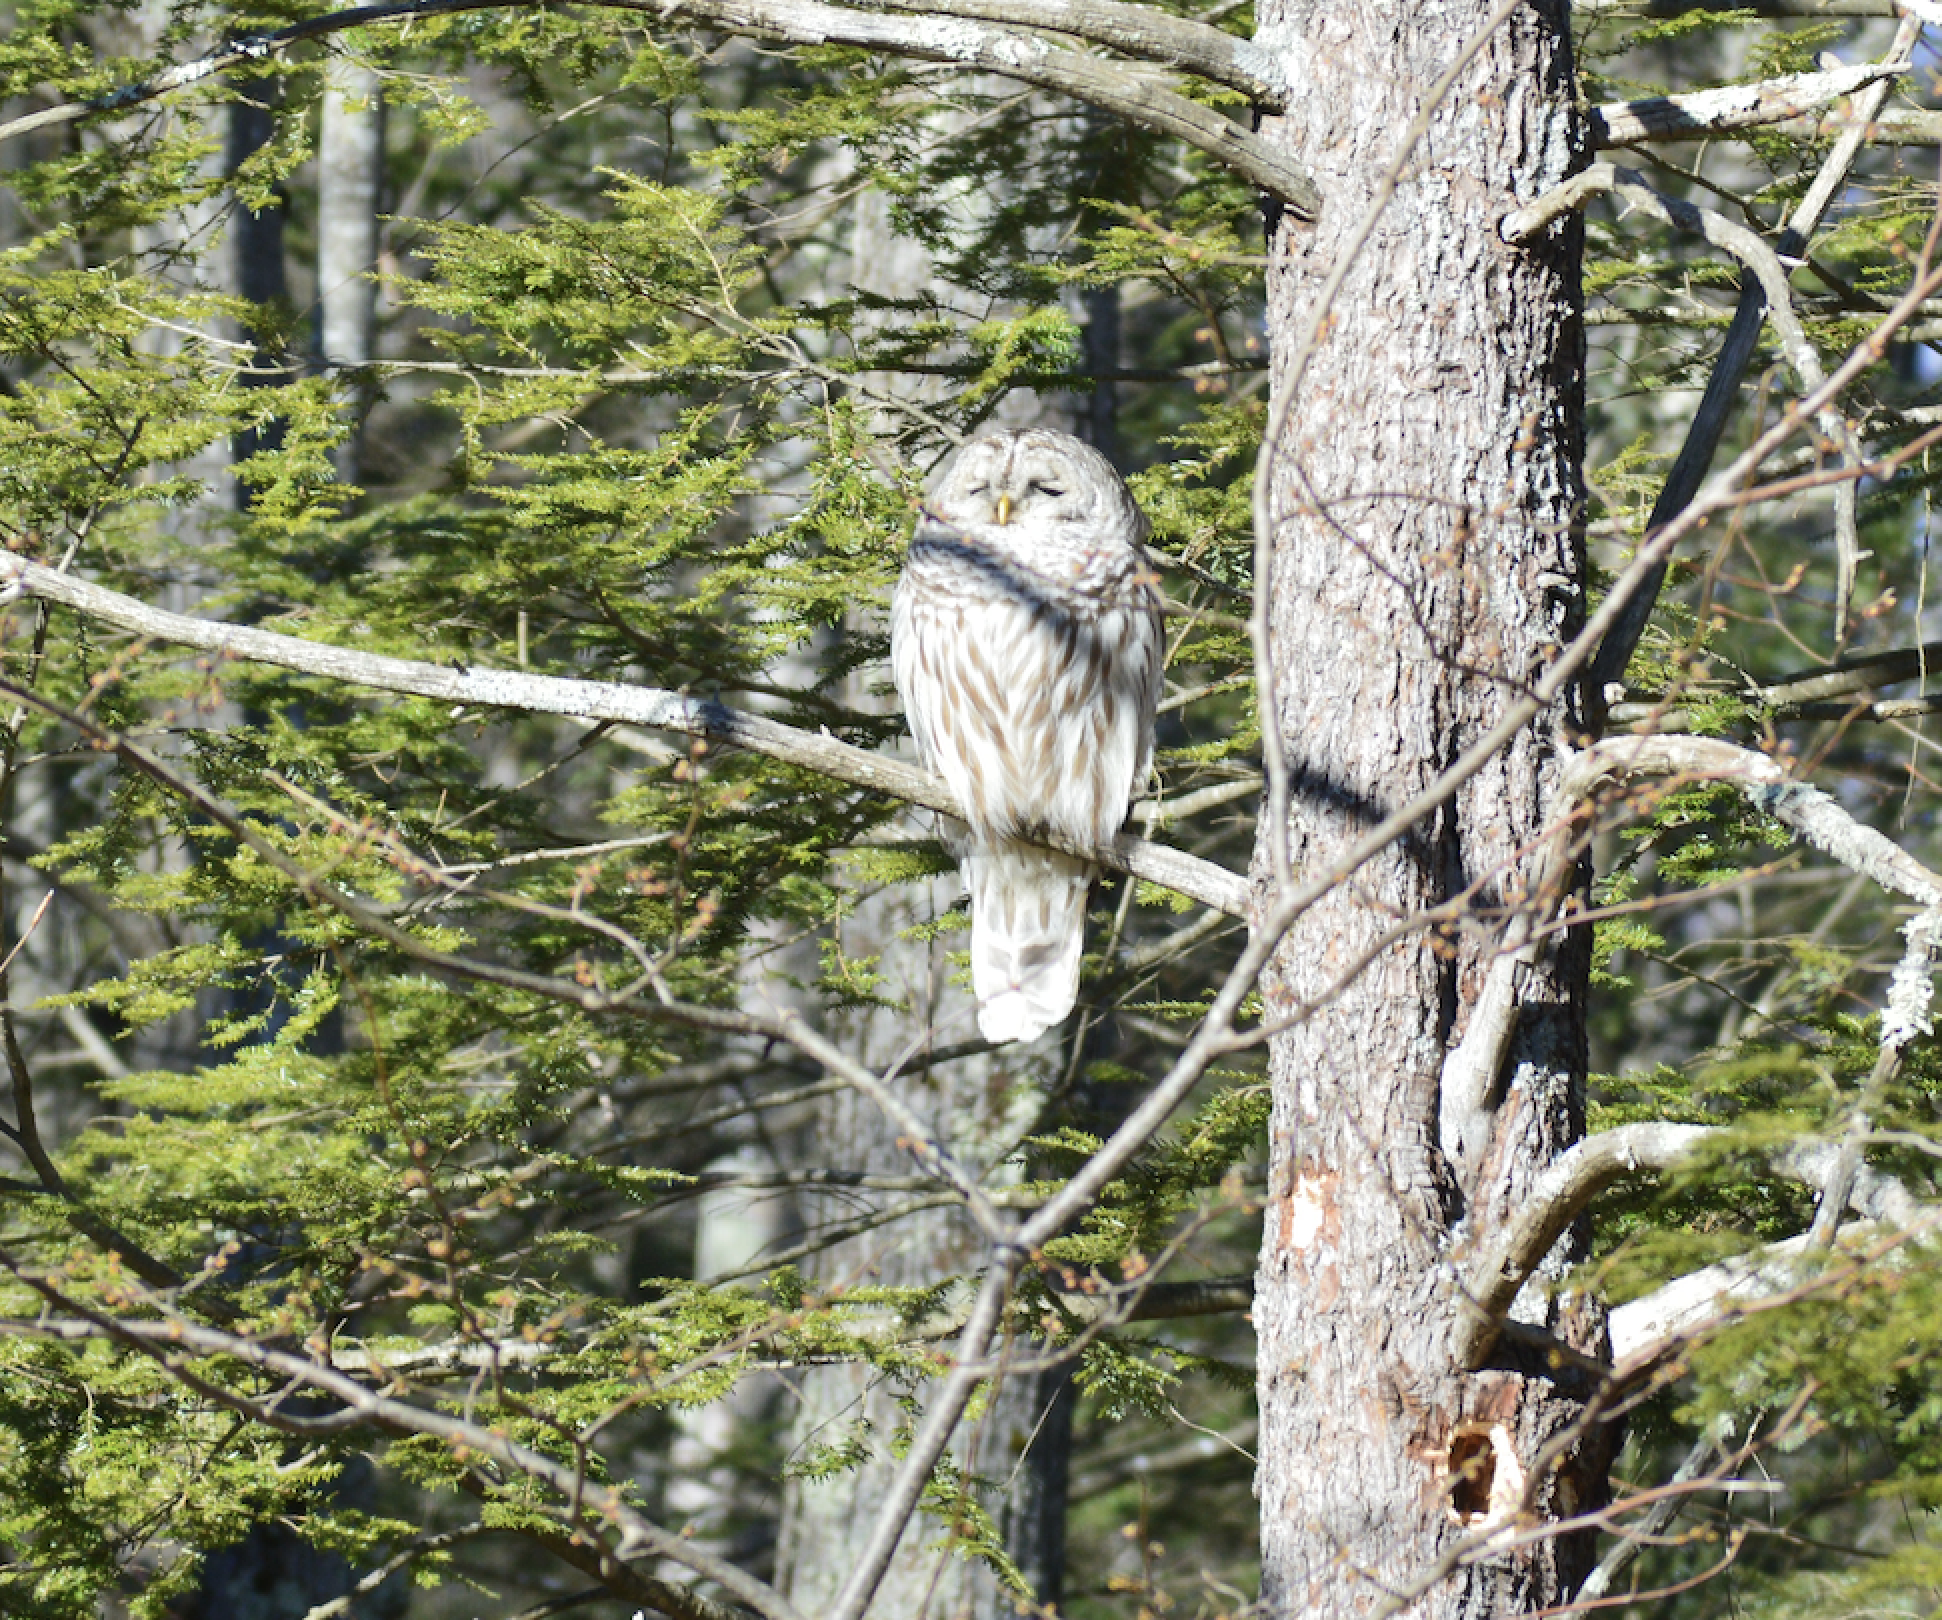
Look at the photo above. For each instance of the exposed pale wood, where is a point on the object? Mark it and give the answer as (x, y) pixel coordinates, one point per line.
(1735, 106)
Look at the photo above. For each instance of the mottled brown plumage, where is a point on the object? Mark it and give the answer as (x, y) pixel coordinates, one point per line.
(1026, 641)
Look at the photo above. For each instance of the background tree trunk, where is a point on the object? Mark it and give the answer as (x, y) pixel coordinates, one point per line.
(350, 180)
(981, 1104)
(1426, 564)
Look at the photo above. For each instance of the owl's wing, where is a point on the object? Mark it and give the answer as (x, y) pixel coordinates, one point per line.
(915, 685)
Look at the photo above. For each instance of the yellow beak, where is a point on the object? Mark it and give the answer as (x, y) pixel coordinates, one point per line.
(1004, 510)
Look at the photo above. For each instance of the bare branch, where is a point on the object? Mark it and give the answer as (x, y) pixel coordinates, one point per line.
(946, 33)
(1560, 1195)
(872, 1325)
(1716, 406)
(594, 700)
(1764, 781)
(1903, 126)
(1468, 1086)
(1734, 106)
(1137, 31)
(1640, 1328)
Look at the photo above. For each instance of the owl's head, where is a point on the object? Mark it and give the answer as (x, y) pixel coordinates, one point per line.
(1044, 486)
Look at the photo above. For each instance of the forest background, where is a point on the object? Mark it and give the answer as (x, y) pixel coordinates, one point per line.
(493, 1125)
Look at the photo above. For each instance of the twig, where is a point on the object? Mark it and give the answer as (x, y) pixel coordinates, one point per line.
(1736, 352)
(170, 1342)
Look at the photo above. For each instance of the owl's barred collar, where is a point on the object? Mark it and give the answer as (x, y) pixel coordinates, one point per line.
(1110, 576)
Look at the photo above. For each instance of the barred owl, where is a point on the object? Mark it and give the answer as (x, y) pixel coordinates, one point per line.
(1025, 639)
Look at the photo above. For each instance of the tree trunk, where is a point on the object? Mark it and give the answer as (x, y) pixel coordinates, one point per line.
(981, 1105)
(1426, 565)
(350, 178)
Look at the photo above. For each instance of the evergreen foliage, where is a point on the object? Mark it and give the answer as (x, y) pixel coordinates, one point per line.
(631, 422)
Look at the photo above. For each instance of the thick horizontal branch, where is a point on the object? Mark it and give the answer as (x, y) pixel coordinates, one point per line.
(1133, 30)
(1734, 106)
(648, 706)
(953, 32)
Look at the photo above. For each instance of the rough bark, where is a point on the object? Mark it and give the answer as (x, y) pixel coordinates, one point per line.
(1424, 490)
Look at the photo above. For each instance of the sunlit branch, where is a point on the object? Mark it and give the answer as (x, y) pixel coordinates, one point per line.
(1648, 1327)
(946, 33)
(1767, 786)
(647, 706)
(1735, 106)
(1566, 1189)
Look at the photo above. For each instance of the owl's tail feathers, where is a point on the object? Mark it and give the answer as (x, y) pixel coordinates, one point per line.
(1028, 930)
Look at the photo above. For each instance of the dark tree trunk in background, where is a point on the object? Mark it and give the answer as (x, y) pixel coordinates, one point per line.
(1426, 566)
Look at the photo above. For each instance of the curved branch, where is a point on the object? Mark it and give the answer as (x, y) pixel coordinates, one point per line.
(648, 706)
(1560, 1196)
(1566, 1189)
(1765, 782)
(951, 32)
